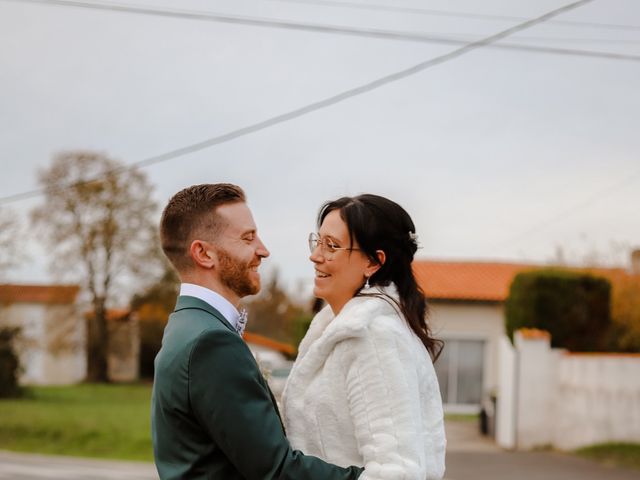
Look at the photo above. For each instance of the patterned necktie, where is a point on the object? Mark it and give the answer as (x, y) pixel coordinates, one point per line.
(242, 321)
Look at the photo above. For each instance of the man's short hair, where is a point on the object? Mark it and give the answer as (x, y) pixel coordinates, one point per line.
(190, 213)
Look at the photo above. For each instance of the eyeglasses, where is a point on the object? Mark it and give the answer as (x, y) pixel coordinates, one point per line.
(327, 246)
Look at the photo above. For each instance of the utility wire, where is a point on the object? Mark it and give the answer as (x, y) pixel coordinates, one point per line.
(452, 14)
(319, 28)
(313, 107)
(529, 38)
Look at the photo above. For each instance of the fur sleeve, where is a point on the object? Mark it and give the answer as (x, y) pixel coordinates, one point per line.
(385, 405)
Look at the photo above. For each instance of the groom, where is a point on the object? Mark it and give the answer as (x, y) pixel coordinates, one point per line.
(213, 415)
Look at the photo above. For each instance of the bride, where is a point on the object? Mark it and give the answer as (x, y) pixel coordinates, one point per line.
(363, 390)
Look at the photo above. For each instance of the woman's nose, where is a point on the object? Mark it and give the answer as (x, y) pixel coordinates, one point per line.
(316, 256)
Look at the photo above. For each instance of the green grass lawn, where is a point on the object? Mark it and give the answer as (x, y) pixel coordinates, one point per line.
(105, 421)
(462, 417)
(615, 454)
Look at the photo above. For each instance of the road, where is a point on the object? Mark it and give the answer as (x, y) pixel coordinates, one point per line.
(469, 457)
(18, 466)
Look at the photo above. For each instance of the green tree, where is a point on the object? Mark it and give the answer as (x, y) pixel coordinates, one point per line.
(9, 363)
(153, 307)
(272, 313)
(97, 216)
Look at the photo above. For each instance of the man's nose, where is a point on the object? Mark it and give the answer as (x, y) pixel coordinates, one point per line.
(262, 251)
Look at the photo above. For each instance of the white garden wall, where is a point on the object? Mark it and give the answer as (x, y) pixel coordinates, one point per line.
(566, 400)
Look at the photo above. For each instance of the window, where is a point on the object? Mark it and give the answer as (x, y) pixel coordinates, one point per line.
(460, 372)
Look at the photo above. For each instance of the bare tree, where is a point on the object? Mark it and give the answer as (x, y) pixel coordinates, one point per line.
(99, 220)
(9, 238)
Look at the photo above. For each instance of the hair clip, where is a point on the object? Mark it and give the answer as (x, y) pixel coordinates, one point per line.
(413, 237)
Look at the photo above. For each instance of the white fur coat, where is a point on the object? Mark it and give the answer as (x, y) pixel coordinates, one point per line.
(364, 392)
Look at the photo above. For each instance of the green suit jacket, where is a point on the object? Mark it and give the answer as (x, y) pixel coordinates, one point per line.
(213, 415)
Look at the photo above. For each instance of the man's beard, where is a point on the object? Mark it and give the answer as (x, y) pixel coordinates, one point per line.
(236, 275)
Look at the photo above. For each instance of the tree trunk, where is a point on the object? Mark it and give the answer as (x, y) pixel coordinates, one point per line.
(97, 342)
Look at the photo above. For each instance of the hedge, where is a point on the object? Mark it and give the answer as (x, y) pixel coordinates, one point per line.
(573, 307)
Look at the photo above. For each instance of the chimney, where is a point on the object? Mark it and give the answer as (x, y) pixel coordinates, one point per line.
(635, 262)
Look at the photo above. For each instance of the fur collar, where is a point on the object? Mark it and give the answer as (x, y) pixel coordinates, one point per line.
(327, 329)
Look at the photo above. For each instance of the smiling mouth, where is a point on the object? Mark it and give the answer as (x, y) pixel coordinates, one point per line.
(320, 274)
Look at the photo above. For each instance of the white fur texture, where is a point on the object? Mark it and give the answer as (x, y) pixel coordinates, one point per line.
(363, 391)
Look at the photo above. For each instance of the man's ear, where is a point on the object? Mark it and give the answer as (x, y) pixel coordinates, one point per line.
(202, 254)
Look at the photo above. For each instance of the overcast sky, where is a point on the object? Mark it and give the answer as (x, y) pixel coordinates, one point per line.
(497, 154)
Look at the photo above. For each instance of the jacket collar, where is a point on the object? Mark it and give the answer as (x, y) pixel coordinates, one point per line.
(185, 303)
(327, 329)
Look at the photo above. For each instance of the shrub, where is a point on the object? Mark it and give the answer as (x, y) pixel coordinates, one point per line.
(152, 320)
(9, 363)
(150, 342)
(573, 307)
(625, 312)
(300, 326)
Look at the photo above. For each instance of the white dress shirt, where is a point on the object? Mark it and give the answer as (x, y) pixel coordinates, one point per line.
(217, 301)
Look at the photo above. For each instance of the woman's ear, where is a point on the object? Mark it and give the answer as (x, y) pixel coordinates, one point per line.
(373, 267)
(202, 255)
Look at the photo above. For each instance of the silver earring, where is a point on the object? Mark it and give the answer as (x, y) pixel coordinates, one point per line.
(366, 284)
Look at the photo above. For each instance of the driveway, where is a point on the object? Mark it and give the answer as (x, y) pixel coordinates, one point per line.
(472, 457)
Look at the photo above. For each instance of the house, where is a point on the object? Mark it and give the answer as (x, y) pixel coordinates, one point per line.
(273, 357)
(467, 311)
(466, 302)
(51, 346)
(269, 353)
(53, 333)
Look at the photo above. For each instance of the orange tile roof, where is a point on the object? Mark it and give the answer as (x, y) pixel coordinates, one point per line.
(263, 341)
(482, 281)
(112, 314)
(601, 354)
(476, 281)
(47, 294)
(534, 333)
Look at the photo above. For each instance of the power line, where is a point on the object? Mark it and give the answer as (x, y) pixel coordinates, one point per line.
(330, 29)
(529, 38)
(453, 14)
(313, 107)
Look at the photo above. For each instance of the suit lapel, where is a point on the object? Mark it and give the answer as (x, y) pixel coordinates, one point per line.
(192, 303)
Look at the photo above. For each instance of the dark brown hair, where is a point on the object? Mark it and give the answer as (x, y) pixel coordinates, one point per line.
(378, 223)
(191, 212)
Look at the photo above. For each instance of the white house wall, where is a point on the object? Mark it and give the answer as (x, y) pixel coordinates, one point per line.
(39, 363)
(30, 319)
(474, 321)
(65, 352)
(268, 358)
